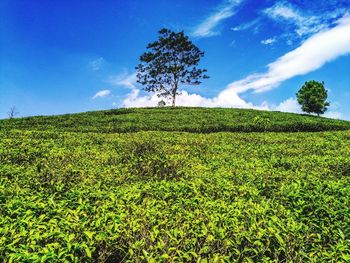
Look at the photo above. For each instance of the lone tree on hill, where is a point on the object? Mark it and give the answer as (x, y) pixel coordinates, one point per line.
(12, 113)
(313, 97)
(170, 61)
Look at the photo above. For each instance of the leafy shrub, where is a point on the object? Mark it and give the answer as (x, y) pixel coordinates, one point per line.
(147, 161)
(262, 123)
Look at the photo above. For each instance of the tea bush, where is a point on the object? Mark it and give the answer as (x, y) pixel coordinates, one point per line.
(157, 196)
(262, 123)
(197, 120)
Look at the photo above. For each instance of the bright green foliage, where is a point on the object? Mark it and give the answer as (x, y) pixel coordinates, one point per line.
(262, 122)
(202, 120)
(313, 97)
(157, 196)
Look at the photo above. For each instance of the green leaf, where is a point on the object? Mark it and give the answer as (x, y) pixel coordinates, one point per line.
(87, 251)
(89, 234)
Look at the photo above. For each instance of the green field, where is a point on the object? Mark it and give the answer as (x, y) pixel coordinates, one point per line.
(199, 120)
(175, 185)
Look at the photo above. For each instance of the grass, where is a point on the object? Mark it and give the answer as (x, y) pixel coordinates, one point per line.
(74, 190)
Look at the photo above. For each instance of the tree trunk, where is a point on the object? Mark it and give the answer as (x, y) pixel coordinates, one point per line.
(174, 95)
(173, 102)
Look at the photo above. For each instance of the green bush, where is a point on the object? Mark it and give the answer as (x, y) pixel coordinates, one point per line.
(262, 122)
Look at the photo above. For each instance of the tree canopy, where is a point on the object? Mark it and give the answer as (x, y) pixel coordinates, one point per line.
(313, 97)
(170, 61)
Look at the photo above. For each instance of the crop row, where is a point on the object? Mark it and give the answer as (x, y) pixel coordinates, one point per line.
(174, 197)
(196, 120)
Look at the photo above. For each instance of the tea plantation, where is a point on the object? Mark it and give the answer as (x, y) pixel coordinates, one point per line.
(175, 185)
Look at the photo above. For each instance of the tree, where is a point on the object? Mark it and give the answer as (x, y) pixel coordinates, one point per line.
(313, 97)
(12, 112)
(161, 103)
(170, 61)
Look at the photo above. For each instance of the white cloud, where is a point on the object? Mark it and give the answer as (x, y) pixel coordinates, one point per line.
(101, 94)
(124, 79)
(333, 115)
(247, 25)
(269, 41)
(284, 10)
(96, 64)
(233, 42)
(289, 105)
(303, 23)
(312, 54)
(135, 99)
(207, 27)
(333, 112)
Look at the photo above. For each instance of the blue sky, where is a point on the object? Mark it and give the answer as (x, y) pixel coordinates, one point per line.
(73, 56)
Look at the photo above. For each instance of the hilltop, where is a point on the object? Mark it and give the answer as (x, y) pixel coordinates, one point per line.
(201, 120)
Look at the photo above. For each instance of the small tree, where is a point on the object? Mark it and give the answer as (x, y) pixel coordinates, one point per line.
(12, 112)
(170, 61)
(313, 97)
(161, 103)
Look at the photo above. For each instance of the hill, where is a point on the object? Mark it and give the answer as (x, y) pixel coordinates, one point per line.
(178, 119)
(88, 188)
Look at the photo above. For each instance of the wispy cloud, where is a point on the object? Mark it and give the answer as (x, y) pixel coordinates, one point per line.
(269, 41)
(284, 10)
(317, 50)
(254, 23)
(208, 26)
(124, 79)
(96, 64)
(303, 23)
(101, 94)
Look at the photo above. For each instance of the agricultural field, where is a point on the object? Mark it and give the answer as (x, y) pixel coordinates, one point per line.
(200, 120)
(175, 185)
